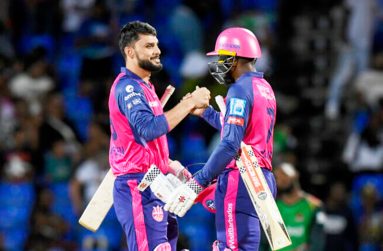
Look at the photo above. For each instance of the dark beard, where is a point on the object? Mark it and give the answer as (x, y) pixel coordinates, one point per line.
(147, 65)
(286, 190)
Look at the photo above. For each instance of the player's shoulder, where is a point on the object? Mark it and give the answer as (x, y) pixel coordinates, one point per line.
(313, 201)
(239, 90)
(128, 85)
(263, 89)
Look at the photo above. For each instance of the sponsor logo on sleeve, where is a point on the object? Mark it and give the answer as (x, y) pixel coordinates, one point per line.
(129, 88)
(237, 107)
(131, 95)
(136, 101)
(235, 121)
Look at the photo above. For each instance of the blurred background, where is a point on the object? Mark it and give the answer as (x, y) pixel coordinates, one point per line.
(58, 58)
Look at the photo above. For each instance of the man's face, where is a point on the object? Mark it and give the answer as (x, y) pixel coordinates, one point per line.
(285, 183)
(147, 53)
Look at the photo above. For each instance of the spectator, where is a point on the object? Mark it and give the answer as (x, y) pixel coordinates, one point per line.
(302, 212)
(74, 13)
(34, 82)
(340, 228)
(369, 83)
(47, 228)
(95, 43)
(58, 164)
(354, 53)
(56, 126)
(364, 151)
(8, 117)
(371, 222)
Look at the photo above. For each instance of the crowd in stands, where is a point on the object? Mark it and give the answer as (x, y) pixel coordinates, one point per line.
(59, 58)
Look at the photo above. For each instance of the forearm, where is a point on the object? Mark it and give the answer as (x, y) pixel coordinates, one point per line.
(220, 158)
(212, 117)
(179, 112)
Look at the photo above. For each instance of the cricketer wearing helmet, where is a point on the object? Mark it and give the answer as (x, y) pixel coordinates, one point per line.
(249, 117)
(138, 140)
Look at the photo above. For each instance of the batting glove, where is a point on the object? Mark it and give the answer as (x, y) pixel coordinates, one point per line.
(182, 199)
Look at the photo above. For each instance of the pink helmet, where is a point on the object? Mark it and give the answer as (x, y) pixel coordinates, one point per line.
(237, 42)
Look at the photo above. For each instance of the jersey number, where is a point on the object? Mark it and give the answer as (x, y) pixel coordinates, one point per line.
(113, 131)
(271, 113)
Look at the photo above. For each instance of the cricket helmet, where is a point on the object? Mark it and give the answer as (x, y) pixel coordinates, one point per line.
(237, 40)
(232, 43)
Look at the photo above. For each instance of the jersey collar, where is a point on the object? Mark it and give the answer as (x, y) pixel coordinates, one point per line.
(134, 76)
(256, 74)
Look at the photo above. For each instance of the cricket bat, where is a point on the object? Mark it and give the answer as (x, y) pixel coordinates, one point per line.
(260, 194)
(102, 200)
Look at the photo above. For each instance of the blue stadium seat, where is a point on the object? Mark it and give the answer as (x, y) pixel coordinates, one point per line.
(15, 239)
(16, 204)
(62, 205)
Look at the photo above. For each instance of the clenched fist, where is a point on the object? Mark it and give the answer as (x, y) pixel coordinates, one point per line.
(201, 97)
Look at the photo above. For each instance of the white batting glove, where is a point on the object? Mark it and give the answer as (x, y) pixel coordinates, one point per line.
(182, 199)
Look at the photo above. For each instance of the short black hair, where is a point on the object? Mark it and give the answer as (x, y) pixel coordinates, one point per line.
(131, 31)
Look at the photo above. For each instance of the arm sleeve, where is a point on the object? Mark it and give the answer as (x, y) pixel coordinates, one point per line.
(235, 123)
(136, 109)
(212, 117)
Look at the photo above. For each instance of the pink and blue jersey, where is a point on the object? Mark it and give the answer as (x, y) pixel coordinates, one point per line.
(138, 126)
(250, 117)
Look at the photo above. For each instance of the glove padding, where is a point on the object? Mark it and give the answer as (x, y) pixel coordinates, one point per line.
(163, 186)
(182, 199)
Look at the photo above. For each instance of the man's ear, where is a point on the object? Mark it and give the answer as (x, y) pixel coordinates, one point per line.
(129, 52)
(235, 64)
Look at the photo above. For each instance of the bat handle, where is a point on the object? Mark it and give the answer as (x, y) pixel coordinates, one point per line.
(221, 104)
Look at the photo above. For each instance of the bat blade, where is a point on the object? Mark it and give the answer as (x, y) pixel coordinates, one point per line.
(99, 205)
(262, 199)
(101, 202)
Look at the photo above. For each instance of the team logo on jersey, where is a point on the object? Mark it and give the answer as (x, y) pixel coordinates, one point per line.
(299, 217)
(237, 107)
(158, 213)
(129, 88)
(235, 121)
